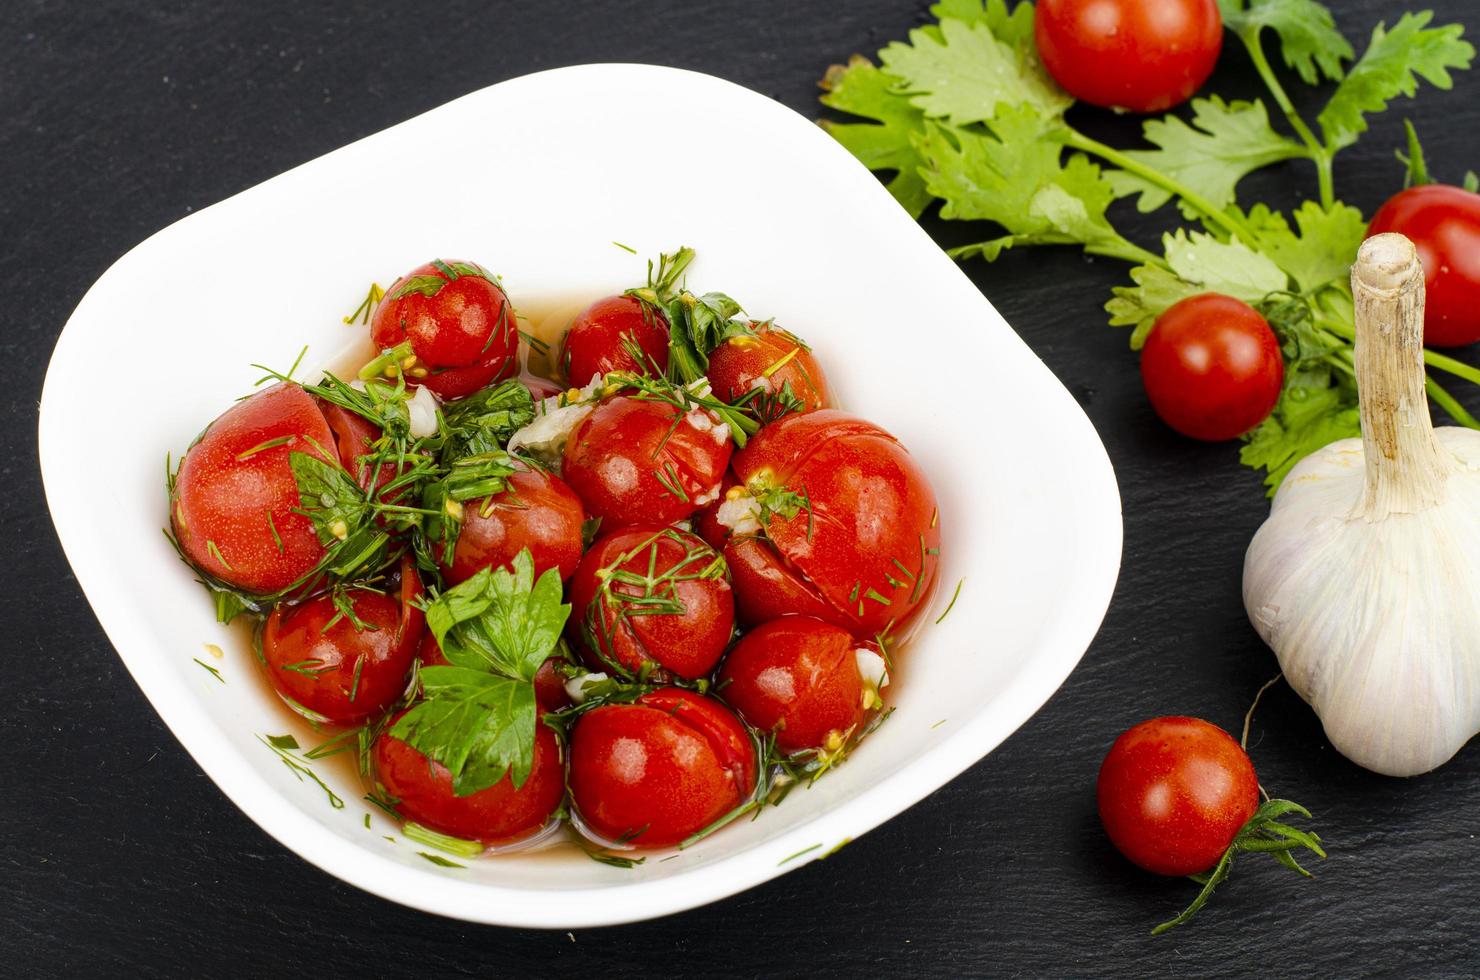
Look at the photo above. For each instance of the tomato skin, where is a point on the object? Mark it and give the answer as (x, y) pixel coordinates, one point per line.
(797, 676)
(740, 364)
(672, 762)
(359, 673)
(871, 506)
(1444, 225)
(464, 335)
(224, 499)
(549, 685)
(1173, 792)
(1141, 55)
(535, 511)
(620, 455)
(499, 814)
(768, 587)
(687, 644)
(1212, 367)
(595, 343)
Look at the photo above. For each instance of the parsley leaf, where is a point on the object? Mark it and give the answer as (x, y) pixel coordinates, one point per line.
(1325, 248)
(479, 725)
(1195, 263)
(1309, 40)
(1014, 26)
(1391, 66)
(963, 73)
(1017, 178)
(1416, 169)
(1225, 142)
(1317, 406)
(483, 422)
(329, 497)
(501, 621)
(861, 89)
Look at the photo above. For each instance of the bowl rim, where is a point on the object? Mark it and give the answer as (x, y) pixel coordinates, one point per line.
(1091, 577)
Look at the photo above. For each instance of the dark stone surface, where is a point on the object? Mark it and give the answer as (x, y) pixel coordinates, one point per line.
(118, 857)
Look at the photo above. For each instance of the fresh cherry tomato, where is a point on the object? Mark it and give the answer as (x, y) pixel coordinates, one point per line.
(776, 364)
(1212, 367)
(799, 677)
(329, 668)
(535, 511)
(1141, 55)
(460, 327)
(235, 506)
(655, 771)
(1173, 792)
(499, 814)
(549, 684)
(652, 596)
(861, 545)
(1444, 225)
(599, 338)
(635, 460)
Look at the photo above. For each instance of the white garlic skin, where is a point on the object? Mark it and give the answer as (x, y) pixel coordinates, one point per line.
(1376, 623)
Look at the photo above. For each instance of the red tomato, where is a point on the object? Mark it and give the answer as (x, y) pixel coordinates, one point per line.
(864, 552)
(499, 814)
(1173, 792)
(462, 334)
(635, 460)
(597, 342)
(774, 361)
(549, 685)
(1141, 55)
(653, 772)
(535, 511)
(1212, 367)
(1444, 225)
(235, 503)
(798, 677)
(656, 596)
(328, 669)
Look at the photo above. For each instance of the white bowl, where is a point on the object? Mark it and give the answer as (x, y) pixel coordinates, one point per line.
(535, 178)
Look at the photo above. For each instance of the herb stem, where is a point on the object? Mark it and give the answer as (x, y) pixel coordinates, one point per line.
(1451, 405)
(1235, 226)
(1129, 251)
(1319, 154)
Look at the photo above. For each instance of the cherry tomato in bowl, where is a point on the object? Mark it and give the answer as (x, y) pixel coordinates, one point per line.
(1444, 225)
(1141, 55)
(457, 323)
(1212, 367)
(536, 510)
(331, 666)
(234, 507)
(602, 338)
(498, 814)
(652, 596)
(654, 772)
(804, 680)
(845, 527)
(776, 365)
(1173, 792)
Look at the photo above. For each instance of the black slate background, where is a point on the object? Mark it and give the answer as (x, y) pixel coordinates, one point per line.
(119, 858)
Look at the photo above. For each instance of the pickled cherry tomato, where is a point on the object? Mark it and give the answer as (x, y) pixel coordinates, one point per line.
(653, 772)
(635, 460)
(334, 668)
(537, 510)
(776, 365)
(652, 596)
(602, 337)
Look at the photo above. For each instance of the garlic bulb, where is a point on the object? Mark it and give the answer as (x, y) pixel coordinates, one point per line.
(1365, 579)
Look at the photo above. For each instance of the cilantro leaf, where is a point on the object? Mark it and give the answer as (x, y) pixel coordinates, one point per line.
(501, 621)
(1317, 406)
(1325, 248)
(1014, 26)
(483, 421)
(1416, 170)
(1391, 66)
(329, 497)
(1309, 40)
(1225, 142)
(961, 72)
(1196, 263)
(1017, 178)
(861, 89)
(480, 726)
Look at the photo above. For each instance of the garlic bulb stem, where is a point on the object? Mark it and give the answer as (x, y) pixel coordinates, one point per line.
(1406, 467)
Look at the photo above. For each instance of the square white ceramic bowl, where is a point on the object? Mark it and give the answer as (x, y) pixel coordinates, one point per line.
(536, 177)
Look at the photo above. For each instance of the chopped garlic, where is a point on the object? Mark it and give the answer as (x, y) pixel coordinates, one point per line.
(740, 513)
(875, 674)
(576, 686)
(554, 419)
(421, 409)
(703, 421)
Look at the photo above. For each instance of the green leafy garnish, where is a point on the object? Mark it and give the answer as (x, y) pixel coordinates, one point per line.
(1309, 40)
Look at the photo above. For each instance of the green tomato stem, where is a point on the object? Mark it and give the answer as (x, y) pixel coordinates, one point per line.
(1236, 227)
(1318, 152)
